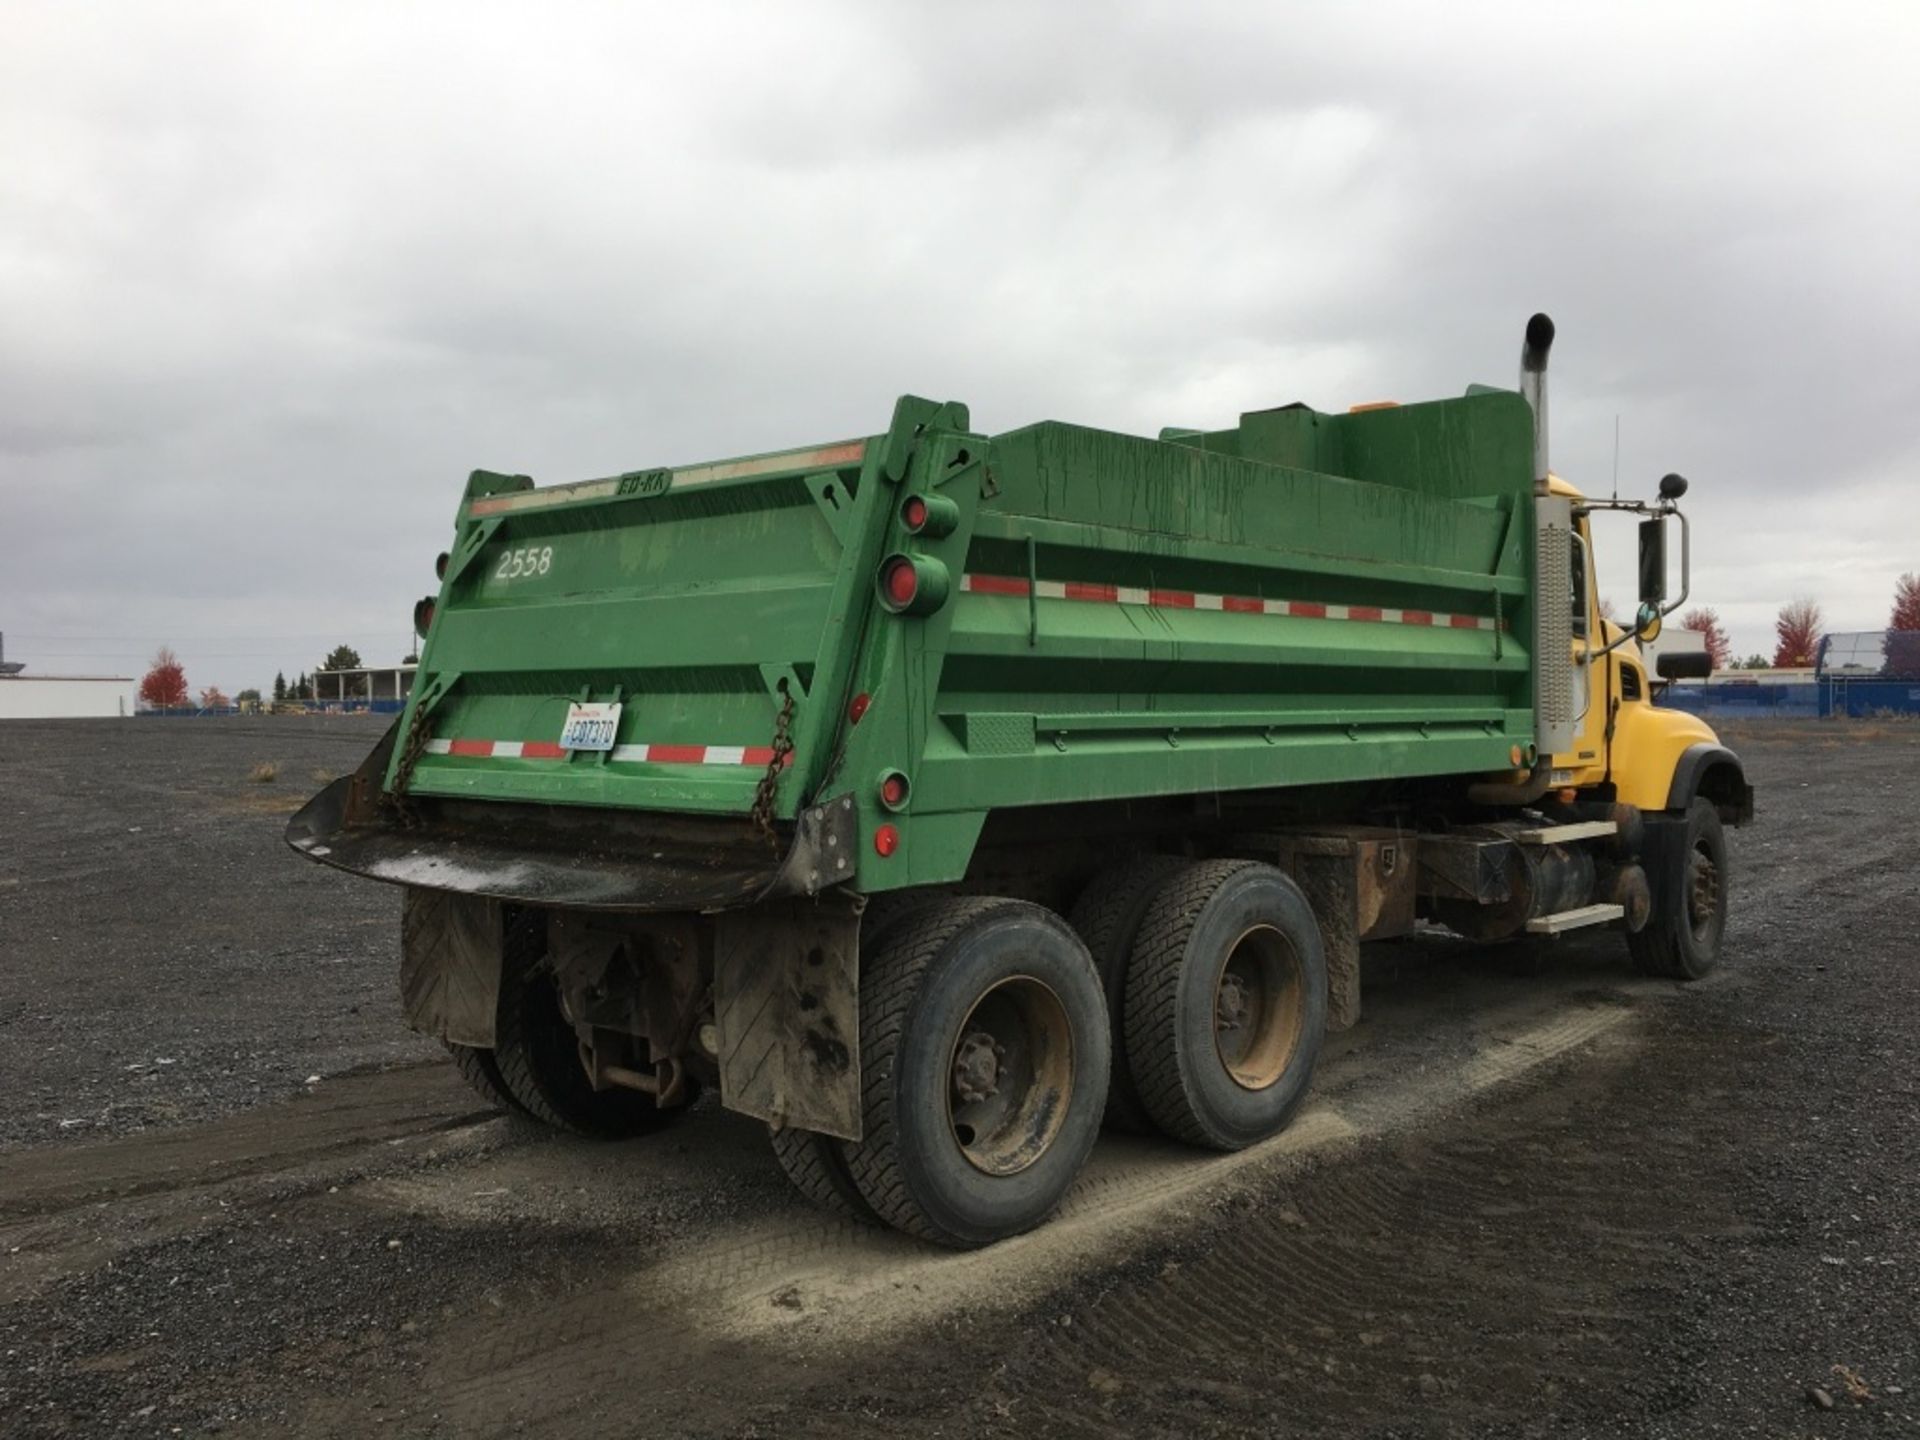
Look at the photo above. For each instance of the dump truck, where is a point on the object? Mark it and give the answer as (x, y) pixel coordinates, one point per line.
(936, 796)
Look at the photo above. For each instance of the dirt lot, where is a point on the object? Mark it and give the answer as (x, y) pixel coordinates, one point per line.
(1532, 1195)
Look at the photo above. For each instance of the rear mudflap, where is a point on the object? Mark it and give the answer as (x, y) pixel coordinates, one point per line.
(786, 988)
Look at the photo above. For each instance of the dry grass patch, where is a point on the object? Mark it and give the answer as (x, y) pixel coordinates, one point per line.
(265, 773)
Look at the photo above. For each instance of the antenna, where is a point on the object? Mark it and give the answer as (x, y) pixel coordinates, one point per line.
(1616, 456)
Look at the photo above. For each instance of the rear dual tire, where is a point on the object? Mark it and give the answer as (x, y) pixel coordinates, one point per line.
(481, 1071)
(817, 1169)
(1107, 918)
(984, 1059)
(538, 1057)
(1226, 1003)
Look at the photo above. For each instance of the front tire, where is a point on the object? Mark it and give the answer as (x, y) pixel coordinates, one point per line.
(1226, 1003)
(985, 1049)
(1687, 870)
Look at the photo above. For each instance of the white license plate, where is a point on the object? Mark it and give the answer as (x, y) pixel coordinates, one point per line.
(590, 727)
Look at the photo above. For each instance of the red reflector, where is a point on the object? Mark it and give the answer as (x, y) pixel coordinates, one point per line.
(914, 512)
(902, 584)
(858, 707)
(893, 790)
(886, 840)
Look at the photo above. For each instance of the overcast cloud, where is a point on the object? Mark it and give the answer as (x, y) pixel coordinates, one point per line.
(273, 279)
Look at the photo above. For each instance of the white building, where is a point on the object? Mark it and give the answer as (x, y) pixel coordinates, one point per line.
(64, 697)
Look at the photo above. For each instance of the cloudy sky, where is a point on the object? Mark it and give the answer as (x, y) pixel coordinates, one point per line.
(273, 279)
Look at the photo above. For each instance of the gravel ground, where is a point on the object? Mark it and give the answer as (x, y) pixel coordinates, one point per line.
(1673, 1211)
(167, 959)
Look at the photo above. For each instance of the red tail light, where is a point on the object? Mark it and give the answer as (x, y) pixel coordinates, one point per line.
(423, 617)
(913, 514)
(900, 582)
(440, 566)
(893, 790)
(913, 584)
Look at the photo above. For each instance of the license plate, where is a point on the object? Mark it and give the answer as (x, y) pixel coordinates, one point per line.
(590, 727)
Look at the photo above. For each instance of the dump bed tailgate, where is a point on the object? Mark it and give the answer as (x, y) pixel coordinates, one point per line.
(705, 603)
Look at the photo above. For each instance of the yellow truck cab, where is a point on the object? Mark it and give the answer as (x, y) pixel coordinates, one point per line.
(1661, 776)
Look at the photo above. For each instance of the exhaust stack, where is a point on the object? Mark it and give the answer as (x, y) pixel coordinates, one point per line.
(1533, 385)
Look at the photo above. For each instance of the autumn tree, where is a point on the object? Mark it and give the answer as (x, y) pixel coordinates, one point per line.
(165, 682)
(214, 698)
(1906, 603)
(1796, 634)
(1706, 620)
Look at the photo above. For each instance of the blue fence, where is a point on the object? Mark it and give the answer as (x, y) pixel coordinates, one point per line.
(1869, 697)
(1744, 699)
(1803, 700)
(318, 707)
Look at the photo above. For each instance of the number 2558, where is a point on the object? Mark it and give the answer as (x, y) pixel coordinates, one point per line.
(527, 560)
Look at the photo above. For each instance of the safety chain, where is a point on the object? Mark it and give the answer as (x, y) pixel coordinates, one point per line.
(419, 731)
(762, 812)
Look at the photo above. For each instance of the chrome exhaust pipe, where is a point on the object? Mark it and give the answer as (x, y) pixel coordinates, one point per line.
(1533, 385)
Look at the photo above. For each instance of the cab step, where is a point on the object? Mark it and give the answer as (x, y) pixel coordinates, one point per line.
(1566, 834)
(1575, 919)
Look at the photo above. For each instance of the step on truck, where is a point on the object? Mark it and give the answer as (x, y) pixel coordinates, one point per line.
(937, 797)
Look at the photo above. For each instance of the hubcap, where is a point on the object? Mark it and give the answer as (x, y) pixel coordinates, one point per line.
(1010, 1076)
(1703, 892)
(1259, 1008)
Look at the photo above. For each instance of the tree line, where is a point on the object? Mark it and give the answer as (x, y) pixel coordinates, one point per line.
(1797, 629)
(165, 686)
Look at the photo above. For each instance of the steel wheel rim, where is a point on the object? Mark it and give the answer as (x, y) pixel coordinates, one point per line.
(1009, 1076)
(1703, 892)
(1259, 1008)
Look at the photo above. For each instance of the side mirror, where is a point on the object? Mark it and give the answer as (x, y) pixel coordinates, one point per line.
(1646, 624)
(1653, 558)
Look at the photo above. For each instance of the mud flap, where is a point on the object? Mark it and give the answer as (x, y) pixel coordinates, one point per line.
(450, 955)
(1327, 882)
(787, 1002)
(1361, 882)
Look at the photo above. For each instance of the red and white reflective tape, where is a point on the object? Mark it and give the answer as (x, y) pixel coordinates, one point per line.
(1231, 604)
(756, 755)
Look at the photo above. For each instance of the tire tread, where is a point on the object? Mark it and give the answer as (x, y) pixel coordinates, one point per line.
(1108, 917)
(891, 979)
(1154, 976)
(818, 1170)
(481, 1069)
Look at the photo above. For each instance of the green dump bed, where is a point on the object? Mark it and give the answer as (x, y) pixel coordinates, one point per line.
(1303, 599)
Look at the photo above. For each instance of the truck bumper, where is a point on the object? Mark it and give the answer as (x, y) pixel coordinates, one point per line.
(571, 857)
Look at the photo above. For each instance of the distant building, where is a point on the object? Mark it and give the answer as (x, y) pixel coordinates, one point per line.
(365, 687)
(65, 697)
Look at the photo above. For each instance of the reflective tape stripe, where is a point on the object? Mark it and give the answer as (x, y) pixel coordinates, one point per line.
(750, 755)
(1160, 599)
